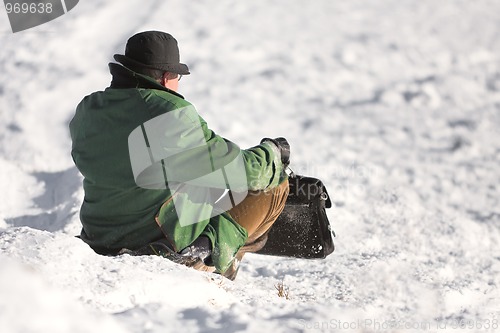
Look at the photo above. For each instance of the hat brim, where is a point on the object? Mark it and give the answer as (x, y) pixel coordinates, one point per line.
(173, 68)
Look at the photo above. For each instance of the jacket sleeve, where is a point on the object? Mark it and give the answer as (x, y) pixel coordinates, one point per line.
(260, 165)
(185, 150)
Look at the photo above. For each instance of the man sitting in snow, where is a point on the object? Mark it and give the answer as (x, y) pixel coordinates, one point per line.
(157, 180)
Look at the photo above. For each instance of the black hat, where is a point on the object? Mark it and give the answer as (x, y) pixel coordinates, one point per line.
(153, 49)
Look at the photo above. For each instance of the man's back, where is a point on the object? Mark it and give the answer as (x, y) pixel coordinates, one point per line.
(100, 131)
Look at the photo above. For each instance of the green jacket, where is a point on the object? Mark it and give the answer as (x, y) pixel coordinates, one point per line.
(117, 212)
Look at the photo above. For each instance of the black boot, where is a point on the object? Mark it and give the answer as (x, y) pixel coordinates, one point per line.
(196, 255)
(201, 248)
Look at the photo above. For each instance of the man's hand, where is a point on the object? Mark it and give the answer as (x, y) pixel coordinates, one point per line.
(284, 148)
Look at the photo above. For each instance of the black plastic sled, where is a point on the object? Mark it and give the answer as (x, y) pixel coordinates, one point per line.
(302, 230)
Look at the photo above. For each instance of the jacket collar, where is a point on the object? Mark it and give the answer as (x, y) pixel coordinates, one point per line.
(125, 78)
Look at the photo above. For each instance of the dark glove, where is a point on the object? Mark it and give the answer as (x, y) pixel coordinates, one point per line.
(284, 148)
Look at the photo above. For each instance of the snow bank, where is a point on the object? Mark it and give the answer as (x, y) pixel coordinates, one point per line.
(29, 303)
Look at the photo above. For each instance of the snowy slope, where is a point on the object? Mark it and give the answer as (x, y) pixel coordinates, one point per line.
(394, 104)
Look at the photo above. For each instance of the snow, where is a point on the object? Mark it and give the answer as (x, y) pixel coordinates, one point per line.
(395, 105)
